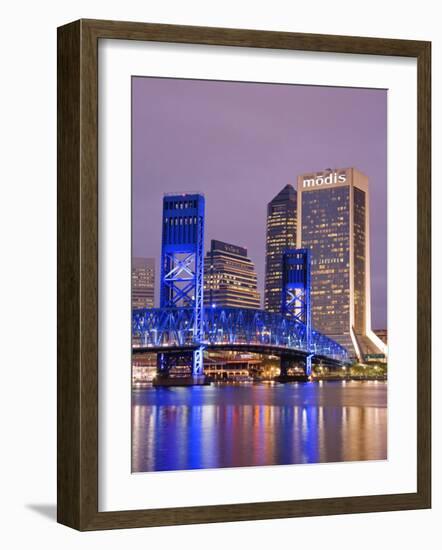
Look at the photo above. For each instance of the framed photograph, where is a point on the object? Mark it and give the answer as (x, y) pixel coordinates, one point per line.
(243, 275)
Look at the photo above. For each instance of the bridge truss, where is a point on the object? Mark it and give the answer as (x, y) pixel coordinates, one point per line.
(169, 328)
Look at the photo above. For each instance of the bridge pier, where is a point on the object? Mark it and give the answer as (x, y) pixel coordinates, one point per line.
(180, 369)
(308, 364)
(286, 364)
(292, 370)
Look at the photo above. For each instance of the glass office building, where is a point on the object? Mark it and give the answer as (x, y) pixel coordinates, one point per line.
(280, 236)
(333, 221)
(229, 277)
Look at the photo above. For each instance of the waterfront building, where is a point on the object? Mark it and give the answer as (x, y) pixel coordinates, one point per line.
(280, 236)
(333, 221)
(143, 283)
(144, 368)
(231, 366)
(229, 277)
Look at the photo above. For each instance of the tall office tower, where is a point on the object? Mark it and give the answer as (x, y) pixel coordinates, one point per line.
(280, 236)
(143, 282)
(230, 277)
(333, 221)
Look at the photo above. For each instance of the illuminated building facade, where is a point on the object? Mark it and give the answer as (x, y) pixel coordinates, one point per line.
(280, 236)
(333, 222)
(229, 277)
(143, 283)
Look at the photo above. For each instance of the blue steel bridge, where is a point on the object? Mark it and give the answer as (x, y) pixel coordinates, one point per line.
(182, 328)
(231, 328)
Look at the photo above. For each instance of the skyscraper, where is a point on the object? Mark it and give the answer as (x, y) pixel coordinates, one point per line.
(280, 235)
(230, 277)
(333, 221)
(143, 282)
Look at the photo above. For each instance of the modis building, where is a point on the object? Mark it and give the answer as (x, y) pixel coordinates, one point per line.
(333, 221)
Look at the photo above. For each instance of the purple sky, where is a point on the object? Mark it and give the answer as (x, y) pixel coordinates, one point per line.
(241, 143)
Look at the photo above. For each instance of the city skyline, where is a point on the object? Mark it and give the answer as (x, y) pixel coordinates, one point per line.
(229, 204)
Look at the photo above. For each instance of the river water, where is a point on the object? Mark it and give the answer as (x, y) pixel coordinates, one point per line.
(258, 424)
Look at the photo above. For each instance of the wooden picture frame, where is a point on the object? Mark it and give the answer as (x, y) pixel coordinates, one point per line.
(77, 226)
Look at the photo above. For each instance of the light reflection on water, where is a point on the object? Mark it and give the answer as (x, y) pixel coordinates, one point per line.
(257, 425)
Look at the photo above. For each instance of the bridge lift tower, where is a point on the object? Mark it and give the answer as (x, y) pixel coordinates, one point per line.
(182, 273)
(295, 303)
